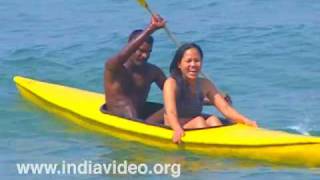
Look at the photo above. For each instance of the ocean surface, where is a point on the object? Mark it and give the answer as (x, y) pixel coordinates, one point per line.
(266, 54)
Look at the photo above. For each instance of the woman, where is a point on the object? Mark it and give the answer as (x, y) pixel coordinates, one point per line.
(183, 94)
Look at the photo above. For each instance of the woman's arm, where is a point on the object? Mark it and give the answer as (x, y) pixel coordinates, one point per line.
(171, 115)
(224, 107)
(226, 97)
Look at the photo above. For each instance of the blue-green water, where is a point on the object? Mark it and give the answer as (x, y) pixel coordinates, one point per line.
(264, 53)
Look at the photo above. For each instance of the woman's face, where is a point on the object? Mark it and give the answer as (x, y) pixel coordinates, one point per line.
(190, 64)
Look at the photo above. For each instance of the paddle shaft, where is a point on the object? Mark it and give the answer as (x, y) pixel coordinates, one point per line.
(171, 36)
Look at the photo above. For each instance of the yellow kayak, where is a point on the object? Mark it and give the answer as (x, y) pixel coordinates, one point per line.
(240, 141)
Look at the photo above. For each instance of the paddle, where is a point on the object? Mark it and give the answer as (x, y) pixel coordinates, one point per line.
(145, 5)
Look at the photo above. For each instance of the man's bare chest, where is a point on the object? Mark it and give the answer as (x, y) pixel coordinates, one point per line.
(135, 81)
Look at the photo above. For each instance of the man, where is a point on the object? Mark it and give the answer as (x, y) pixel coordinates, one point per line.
(128, 76)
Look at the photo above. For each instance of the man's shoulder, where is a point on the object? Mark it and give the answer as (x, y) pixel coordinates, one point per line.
(153, 68)
(154, 72)
(112, 67)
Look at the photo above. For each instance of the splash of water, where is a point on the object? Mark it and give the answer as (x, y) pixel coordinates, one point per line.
(304, 126)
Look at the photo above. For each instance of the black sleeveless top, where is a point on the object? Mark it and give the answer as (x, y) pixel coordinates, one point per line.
(188, 105)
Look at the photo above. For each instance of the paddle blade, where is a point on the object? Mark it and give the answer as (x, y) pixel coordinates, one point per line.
(143, 3)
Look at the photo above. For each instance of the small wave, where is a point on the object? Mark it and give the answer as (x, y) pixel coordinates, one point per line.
(32, 62)
(73, 47)
(300, 130)
(37, 49)
(212, 4)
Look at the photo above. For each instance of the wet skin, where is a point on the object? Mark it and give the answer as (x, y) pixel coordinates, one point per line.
(128, 76)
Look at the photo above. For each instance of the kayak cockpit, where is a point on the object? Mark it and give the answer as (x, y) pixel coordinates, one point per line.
(151, 108)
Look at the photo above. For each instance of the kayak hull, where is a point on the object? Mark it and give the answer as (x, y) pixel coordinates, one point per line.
(236, 141)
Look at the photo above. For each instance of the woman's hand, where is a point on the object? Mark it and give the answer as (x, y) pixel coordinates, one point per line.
(250, 123)
(177, 135)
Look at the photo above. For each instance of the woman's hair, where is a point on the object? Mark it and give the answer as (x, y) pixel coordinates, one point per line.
(174, 69)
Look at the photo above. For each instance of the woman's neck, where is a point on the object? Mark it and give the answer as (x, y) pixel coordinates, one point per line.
(190, 82)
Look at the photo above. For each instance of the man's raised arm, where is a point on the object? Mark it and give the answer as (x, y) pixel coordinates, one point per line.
(119, 59)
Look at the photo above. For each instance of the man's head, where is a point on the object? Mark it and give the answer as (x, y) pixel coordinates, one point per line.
(143, 52)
